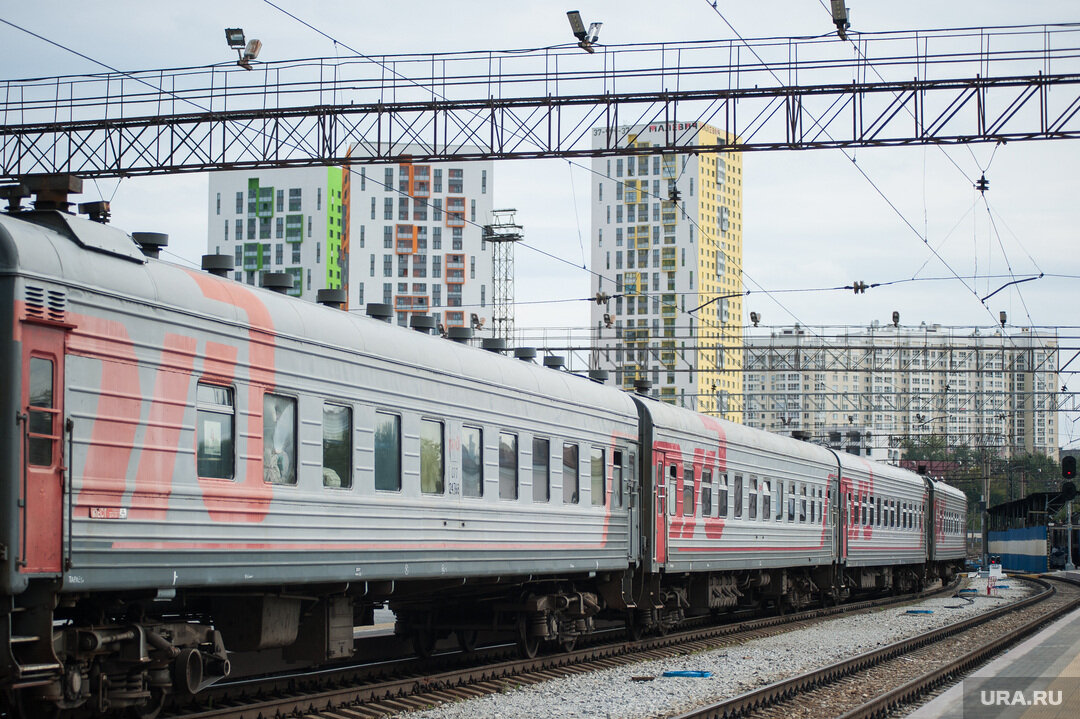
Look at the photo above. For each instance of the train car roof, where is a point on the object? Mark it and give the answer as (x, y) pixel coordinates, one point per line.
(668, 416)
(89, 256)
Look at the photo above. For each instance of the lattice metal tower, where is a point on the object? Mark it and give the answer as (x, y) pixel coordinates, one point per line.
(503, 232)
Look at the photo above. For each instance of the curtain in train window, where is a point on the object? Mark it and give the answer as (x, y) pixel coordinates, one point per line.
(738, 491)
(616, 478)
(570, 474)
(722, 496)
(688, 505)
(431, 456)
(766, 498)
(387, 452)
(751, 510)
(596, 467)
(541, 470)
(214, 427)
(472, 462)
(337, 446)
(706, 493)
(508, 466)
(279, 439)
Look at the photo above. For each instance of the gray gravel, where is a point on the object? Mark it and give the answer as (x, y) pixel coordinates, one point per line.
(612, 694)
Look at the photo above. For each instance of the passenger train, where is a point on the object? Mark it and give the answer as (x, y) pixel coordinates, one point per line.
(194, 467)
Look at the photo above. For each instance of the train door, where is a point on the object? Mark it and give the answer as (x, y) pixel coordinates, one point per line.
(42, 460)
(660, 521)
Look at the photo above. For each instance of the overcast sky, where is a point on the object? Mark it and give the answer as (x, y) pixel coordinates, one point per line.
(810, 219)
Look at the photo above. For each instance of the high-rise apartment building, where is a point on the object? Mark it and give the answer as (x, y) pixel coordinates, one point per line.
(667, 248)
(408, 235)
(868, 391)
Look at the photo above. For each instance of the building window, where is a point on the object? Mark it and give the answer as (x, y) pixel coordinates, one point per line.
(388, 178)
(454, 182)
(295, 198)
(456, 238)
(296, 254)
(483, 182)
(472, 266)
(337, 446)
(436, 209)
(279, 253)
(472, 210)
(472, 462)
(280, 200)
(279, 439)
(431, 456)
(215, 431)
(436, 183)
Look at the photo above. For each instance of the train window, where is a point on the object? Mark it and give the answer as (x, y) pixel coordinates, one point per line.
(387, 452)
(616, 477)
(779, 500)
(862, 506)
(673, 489)
(802, 502)
(472, 462)
(598, 488)
(631, 475)
(337, 446)
(722, 496)
(431, 456)
(215, 430)
(41, 429)
(508, 466)
(737, 490)
(751, 509)
(689, 508)
(279, 439)
(813, 503)
(541, 470)
(570, 473)
(766, 499)
(880, 518)
(706, 493)
(791, 502)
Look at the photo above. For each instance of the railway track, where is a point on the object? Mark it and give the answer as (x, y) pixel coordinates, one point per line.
(359, 693)
(900, 673)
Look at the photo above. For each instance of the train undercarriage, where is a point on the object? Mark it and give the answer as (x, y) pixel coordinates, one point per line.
(127, 654)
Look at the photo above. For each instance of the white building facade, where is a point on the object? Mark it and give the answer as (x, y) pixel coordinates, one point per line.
(866, 392)
(408, 235)
(672, 265)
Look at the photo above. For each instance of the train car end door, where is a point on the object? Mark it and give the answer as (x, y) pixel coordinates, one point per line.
(41, 530)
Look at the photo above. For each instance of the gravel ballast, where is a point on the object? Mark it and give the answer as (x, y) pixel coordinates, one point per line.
(736, 669)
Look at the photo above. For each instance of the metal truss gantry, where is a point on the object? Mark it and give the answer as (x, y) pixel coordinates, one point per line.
(886, 89)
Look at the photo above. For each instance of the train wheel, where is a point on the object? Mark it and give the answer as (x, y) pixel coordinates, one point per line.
(529, 646)
(423, 641)
(466, 639)
(567, 644)
(634, 629)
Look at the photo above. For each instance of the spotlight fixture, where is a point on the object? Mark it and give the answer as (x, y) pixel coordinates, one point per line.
(840, 18)
(586, 39)
(245, 50)
(755, 318)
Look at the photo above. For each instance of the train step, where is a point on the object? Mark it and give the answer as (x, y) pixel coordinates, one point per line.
(24, 639)
(26, 671)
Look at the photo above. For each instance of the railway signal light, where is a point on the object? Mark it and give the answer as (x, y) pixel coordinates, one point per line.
(1068, 467)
